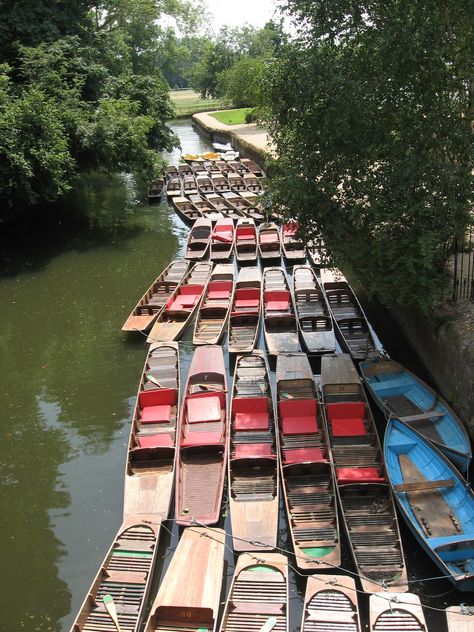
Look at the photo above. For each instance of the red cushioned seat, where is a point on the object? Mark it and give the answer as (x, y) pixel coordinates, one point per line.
(245, 232)
(348, 427)
(277, 300)
(290, 229)
(298, 416)
(347, 475)
(347, 419)
(204, 407)
(194, 439)
(155, 405)
(269, 238)
(253, 451)
(219, 289)
(304, 455)
(224, 235)
(155, 441)
(247, 298)
(250, 413)
(187, 297)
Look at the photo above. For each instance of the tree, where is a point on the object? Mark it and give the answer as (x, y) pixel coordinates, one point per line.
(242, 82)
(370, 110)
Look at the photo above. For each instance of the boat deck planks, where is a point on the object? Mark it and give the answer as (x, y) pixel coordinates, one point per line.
(459, 621)
(396, 613)
(330, 604)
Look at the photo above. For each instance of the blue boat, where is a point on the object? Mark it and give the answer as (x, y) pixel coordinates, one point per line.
(435, 500)
(401, 394)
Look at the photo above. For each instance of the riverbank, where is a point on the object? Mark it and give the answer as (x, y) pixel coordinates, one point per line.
(444, 340)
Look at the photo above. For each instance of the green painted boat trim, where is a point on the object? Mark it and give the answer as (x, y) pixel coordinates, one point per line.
(318, 551)
(261, 568)
(132, 554)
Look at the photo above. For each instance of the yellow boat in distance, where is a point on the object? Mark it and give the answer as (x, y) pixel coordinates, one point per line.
(192, 157)
(211, 155)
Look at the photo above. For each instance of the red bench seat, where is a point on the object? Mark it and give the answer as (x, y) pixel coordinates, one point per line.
(346, 419)
(346, 475)
(204, 407)
(269, 238)
(304, 455)
(195, 439)
(277, 300)
(219, 289)
(298, 416)
(186, 298)
(150, 442)
(254, 451)
(155, 405)
(250, 413)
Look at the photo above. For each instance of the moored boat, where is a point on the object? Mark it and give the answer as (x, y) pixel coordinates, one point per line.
(459, 618)
(153, 301)
(364, 493)
(435, 501)
(224, 206)
(223, 166)
(220, 183)
(244, 206)
(253, 167)
(189, 595)
(252, 183)
(258, 597)
(397, 613)
(207, 209)
(181, 305)
(330, 604)
(170, 171)
(351, 322)
(312, 311)
(185, 170)
(156, 190)
(306, 473)
(269, 243)
(246, 241)
(244, 320)
(236, 182)
(199, 239)
(173, 186)
(238, 167)
(400, 393)
(203, 440)
(186, 210)
(293, 248)
(253, 457)
(215, 306)
(204, 184)
(279, 319)
(222, 240)
(189, 185)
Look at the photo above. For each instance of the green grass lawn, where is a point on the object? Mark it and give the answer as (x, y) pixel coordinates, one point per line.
(187, 102)
(232, 117)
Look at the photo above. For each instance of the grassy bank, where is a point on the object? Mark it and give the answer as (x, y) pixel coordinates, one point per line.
(188, 102)
(232, 117)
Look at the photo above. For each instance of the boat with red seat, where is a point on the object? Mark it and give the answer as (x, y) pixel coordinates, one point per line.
(244, 321)
(203, 439)
(215, 306)
(199, 239)
(279, 319)
(182, 305)
(364, 493)
(269, 243)
(246, 241)
(293, 249)
(253, 457)
(222, 240)
(306, 472)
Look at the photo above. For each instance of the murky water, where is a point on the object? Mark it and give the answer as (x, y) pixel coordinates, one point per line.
(68, 378)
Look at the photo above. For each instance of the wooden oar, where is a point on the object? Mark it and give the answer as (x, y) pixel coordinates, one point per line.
(268, 625)
(112, 612)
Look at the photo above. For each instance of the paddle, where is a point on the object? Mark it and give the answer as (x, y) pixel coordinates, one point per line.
(112, 612)
(152, 379)
(268, 625)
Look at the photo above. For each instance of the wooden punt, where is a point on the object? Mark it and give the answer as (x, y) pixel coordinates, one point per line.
(396, 613)
(186, 210)
(127, 570)
(181, 305)
(306, 473)
(238, 167)
(220, 183)
(173, 187)
(364, 494)
(156, 190)
(459, 619)
(252, 183)
(330, 604)
(198, 168)
(253, 457)
(269, 243)
(312, 311)
(400, 393)
(207, 209)
(204, 184)
(279, 319)
(224, 166)
(244, 321)
(244, 206)
(171, 171)
(145, 312)
(236, 182)
(224, 206)
(246, 241)
(189, 596)
(351, 322)
(211, 167)
(252, 167)
(203, 440)
(293, 248)
(222, 240)
(436, 502)
(189, 185)
(258, 597)
(185, 170)
(215, 306)
(199, 239)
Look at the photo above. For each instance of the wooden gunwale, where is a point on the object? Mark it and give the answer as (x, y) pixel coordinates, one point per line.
(330, 603)
(189, 185)
(458, 621)
(204, 184)
(280, 327)
(213, 314)
(156, 188)
(396, 612)
(244, 328)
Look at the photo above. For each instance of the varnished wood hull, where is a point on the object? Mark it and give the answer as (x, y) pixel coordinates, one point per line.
(458, 621)
(330, 603)
(213, 313)
(280, 327)
(397, 613)
(244, 328)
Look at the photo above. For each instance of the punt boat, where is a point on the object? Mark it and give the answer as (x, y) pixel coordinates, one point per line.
(220, 183)
(223, 166)
(171, 171)
(186, 210)
(306, 473)
(244, 206)
(181, 305)
(199, 239)
(245, 314)
(312, 311)
(185, 170)
(207, 209)
(238, 167)
(203, 440)
(153, 301)
(123, 582)
(236, 182)
(459, 619)
(173, 186)
(215, 306)
(222, 240)
(224, 206)
(246, 241)
(189, 596)
(252, 167)
(253, 457)
(252, 183)
(351, 322)
(189, 185)
(400, 393)
(364, 492)
(204, 184)
(397, 613)
(279, 320)
(156, 190)
(269, 243)
(330, 604)
(436, 502)
(258, 597)
(293, 248)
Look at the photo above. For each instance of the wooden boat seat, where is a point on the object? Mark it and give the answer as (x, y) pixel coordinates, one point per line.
(155, 405)
(424, 486)
(347, 419)
(269, 238)
(277, 300)
(304, 455)
(150, 442)
(346, 475)
(204, 407)
(245, 233)
(247, 299)
(196, 439)
(298, 416)
(290, 229)
(187, 297)
(224, 235)
(254, 451)
(219, 290)
(251, 413)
